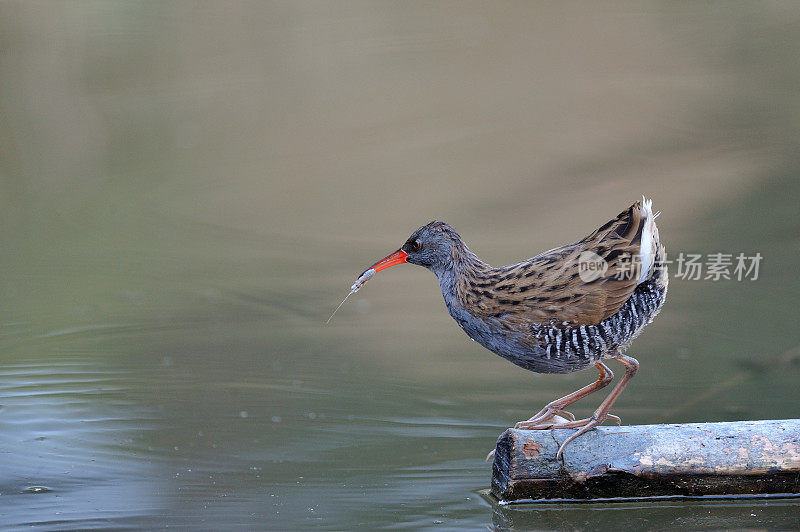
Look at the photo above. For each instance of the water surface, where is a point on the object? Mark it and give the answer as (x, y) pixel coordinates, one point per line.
(187, 191)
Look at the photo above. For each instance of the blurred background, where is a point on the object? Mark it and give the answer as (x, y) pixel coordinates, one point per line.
(188, 189)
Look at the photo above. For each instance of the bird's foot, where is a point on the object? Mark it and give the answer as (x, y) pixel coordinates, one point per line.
(557, 420)
(552, 419)
(547, 418)
(584, 425)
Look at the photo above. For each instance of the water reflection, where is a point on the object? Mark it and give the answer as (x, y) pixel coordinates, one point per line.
(650, 514)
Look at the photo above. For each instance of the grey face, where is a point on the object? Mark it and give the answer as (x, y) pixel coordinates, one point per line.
(430, 246)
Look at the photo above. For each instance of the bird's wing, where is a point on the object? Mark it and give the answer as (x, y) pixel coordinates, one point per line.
(559, 286)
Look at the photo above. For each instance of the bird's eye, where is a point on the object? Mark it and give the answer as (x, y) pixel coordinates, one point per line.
(414, 245)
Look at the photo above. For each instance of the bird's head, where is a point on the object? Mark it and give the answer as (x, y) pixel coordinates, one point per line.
(435, 246)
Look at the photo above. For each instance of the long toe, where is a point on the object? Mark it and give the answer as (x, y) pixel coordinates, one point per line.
(564, 415)
(545, 420)
(583, 425)
(593, 421)
(554, 421)
(527, 425)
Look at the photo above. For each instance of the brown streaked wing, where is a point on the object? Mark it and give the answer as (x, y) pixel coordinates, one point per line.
(547, 287)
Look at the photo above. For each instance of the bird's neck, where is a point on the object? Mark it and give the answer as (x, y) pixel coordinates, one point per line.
(464, 265)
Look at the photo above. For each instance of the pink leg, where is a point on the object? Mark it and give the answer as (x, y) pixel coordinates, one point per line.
(544, 419)
(601, 414)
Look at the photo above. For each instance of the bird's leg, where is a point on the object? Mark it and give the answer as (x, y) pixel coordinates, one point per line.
(601, 414)
(544, 419)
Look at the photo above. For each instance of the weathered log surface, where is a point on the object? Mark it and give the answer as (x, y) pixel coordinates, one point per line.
(732, 458)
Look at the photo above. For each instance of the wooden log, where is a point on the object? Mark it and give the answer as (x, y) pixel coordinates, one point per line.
(636, 461)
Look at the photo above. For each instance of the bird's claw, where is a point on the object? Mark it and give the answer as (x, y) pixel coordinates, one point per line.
(556, 420)
(565, 414)
(583, 426)
(547, 418)
(524, 425)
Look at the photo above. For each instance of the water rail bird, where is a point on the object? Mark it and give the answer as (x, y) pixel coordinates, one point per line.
(561, 311)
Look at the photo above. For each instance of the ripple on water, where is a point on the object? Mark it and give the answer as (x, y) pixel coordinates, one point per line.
(69, 431)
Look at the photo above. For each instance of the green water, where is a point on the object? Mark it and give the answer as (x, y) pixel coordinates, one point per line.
(188, 190)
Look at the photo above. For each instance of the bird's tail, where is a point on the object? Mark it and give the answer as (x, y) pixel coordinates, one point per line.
(652, 254)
